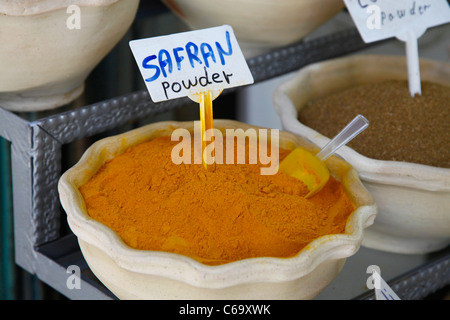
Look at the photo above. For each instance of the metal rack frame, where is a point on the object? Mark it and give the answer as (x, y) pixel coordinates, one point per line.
(36, 152)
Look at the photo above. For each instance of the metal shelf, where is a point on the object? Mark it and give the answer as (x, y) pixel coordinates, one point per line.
(36, 153)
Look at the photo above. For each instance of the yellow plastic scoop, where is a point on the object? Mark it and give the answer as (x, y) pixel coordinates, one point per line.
(310, 168)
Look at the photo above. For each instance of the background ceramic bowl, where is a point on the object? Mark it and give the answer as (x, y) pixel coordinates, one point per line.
(259, 25)
(140, 274)
(44, 62)
(412, 199)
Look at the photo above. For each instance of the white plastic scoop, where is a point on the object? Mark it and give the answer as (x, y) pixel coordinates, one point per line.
(310, 168)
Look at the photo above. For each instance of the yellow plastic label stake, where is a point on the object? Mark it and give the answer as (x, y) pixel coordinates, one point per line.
(206, 118)
(205, 100)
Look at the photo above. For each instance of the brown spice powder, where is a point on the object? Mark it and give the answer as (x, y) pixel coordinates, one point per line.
(401, 128)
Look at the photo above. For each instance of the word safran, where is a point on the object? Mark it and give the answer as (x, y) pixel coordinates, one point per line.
(191, 55)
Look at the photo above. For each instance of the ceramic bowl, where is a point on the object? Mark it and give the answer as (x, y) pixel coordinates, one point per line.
(45, 58)
(412, 199)
(140, 274)
(259, 25)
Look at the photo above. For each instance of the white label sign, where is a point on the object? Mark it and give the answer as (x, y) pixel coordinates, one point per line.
(189, 63)
(381, 19)
(382, 289)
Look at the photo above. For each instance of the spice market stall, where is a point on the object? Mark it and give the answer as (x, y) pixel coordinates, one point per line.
(40, 145)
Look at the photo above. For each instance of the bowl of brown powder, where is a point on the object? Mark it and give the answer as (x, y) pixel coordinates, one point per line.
(152, 228)
(403, 158)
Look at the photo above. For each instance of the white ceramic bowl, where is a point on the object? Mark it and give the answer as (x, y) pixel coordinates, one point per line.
(259, 25)
(413, 199)
(140, 274)
(43, 62)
